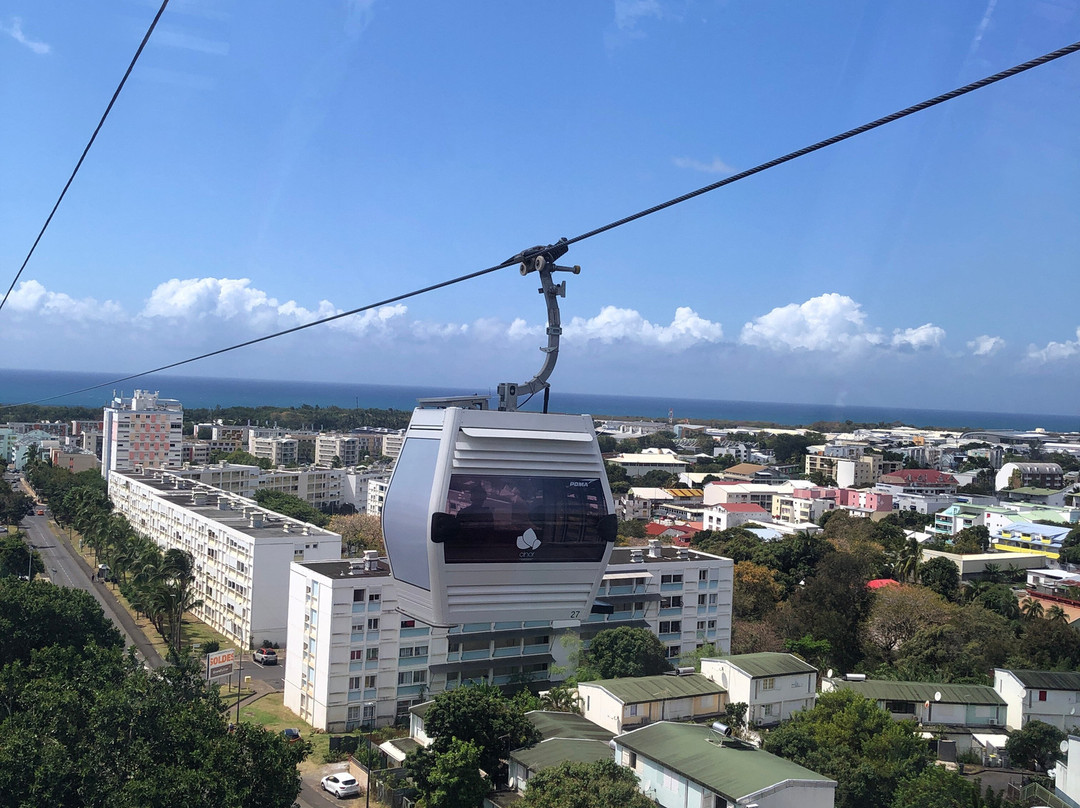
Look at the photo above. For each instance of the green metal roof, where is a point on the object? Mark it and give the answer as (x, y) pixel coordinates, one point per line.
(1048, 680)
(567, 725)
(885, 690)
(769, 663)
(641, 689)
(555, 751)
(733, 770)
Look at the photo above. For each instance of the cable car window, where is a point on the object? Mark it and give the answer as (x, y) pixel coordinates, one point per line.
(405, 511)
(506, 518)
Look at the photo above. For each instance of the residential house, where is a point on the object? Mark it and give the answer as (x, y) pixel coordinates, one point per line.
(681, 765)
(751, 473)
(622, 704)
(956, 710)
(638, 464)
(1027, 537)
(723, 515)
(773, 685)
(564, 736)
(923, 482)
(1052, 697)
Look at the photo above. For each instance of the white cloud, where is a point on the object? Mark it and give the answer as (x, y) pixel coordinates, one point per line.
(629, 12)
(31, 297)
(172, 38)
(1056, 350)
(920, 338)
(985, 345)
(613, 324)
(828, 322)
(14, 30)
(717, 166)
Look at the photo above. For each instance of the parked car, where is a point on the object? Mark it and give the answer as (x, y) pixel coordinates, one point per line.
(291, 734)
(341, 785)
(265, 656)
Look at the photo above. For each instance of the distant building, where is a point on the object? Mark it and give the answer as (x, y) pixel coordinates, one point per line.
(1029, 475)
(619, 705)
(1047, 696)
(641, 463)
(723, 515)
(773, 685)
(143, 431)
(919, 482)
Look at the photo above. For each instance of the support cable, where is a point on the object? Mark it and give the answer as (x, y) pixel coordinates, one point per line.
(93, 137)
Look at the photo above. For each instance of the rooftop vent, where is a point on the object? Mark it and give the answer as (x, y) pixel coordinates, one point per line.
(654, 548)
(256, 519)
(371, 560)
(684, 554)
(198, 498)
(637, 555)
(285, 528)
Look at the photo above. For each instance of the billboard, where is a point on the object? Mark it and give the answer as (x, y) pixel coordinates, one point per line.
(220, 663)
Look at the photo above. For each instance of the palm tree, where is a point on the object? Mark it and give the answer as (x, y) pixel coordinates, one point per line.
(1032, 609)
(907, 562)
(562, 698)
(1055, 614)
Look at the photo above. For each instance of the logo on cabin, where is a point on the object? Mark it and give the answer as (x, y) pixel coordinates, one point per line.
(528, 541)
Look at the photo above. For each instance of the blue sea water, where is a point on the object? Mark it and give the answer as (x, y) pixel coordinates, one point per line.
(72, 388)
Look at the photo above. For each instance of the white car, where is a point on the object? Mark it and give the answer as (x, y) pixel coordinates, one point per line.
(341, 785)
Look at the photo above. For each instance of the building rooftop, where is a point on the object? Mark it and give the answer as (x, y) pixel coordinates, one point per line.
(553, 752)
(768, 663)
(731, 769)
(918, 477)
(622, 555)
(1048, 680)
(567, 725)
(740, 507)
(227, 509)
(886, 690)
(349, 568)
(641, 689)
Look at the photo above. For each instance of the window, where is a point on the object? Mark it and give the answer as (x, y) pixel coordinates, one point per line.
(700, 600)
(354, 682)
(700, 625)
(453, 647)
(902, 707)
(703, 575)
(358, 627)
(712, 600)
(672, 578)
(408, 624)
(417, 677)
(374, 597)
(373, 624)
(712, 624)
(631, 709)
(357, 654)
(768, 684)
(369, 681)
(1042, 695)
(412, 650)
(673, 602)
(359, 595)
(673, 651)
(538, 639)
(371, 653)
(369, 712)
(670, 626)
(476, 645)
(767, 709)
(508, 642)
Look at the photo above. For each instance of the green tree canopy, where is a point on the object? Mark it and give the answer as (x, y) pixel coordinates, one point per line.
(625, 651)
(451, 778)
(288, 505)
(942, 576)
(1035, 745)
(852, 740)
(934, 787)
(484, 716)
(603, 784)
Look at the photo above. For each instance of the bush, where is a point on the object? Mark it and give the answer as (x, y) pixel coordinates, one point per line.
(211, 646)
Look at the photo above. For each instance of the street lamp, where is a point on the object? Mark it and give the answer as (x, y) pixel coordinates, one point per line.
(29, 561)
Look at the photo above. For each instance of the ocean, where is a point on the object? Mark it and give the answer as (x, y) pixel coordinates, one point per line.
(57, 387)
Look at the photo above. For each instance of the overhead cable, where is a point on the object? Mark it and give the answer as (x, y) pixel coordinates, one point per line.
(89, 143)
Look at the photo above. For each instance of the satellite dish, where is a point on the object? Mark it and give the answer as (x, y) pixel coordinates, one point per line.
(1064, 747)
(937, 695)
(828, 673)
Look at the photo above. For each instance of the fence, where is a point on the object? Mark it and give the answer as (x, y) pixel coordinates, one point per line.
(1033, 794)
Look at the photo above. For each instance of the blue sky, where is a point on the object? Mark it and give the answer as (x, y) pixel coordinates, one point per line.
(274, 162)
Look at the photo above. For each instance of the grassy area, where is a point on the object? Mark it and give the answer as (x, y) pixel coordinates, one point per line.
(270, 712)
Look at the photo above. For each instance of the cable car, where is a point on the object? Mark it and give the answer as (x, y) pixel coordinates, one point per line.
(500, 515)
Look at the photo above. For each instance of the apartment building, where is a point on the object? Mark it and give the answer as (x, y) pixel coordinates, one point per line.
(366, 663)
(143, 431)
(281, 451)
(345, 448)
(242, 552)
(321, 488)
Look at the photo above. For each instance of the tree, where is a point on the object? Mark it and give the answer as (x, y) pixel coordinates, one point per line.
(852, 740)
(626, 651)
(632, 528)
(935, 787)
(973, 641)
(971, 540)
(999, 598)
(602, 784)
(908, 560)
(451, 778)
(756, 590)
(14, 505)
(561, 698)
(1034, 746)
(483, 715)
(288, 505)
(17, 559)
(898, 614)
(359, 532)
(1032, 609)
(942, 576)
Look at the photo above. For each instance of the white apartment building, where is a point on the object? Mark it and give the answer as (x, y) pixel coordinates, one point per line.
(144, 431)
(280, 451)
(242, 552)
(376, 494)
(391, 444)
(367, 663)
(356, 484)
(772, 685)
(232, 477)
(319, 487)
(346, 448)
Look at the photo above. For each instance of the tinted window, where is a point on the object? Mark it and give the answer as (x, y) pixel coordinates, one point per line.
(405, 511)
(505, 518)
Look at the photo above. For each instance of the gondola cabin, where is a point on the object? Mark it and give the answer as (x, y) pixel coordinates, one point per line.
(498, 516)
